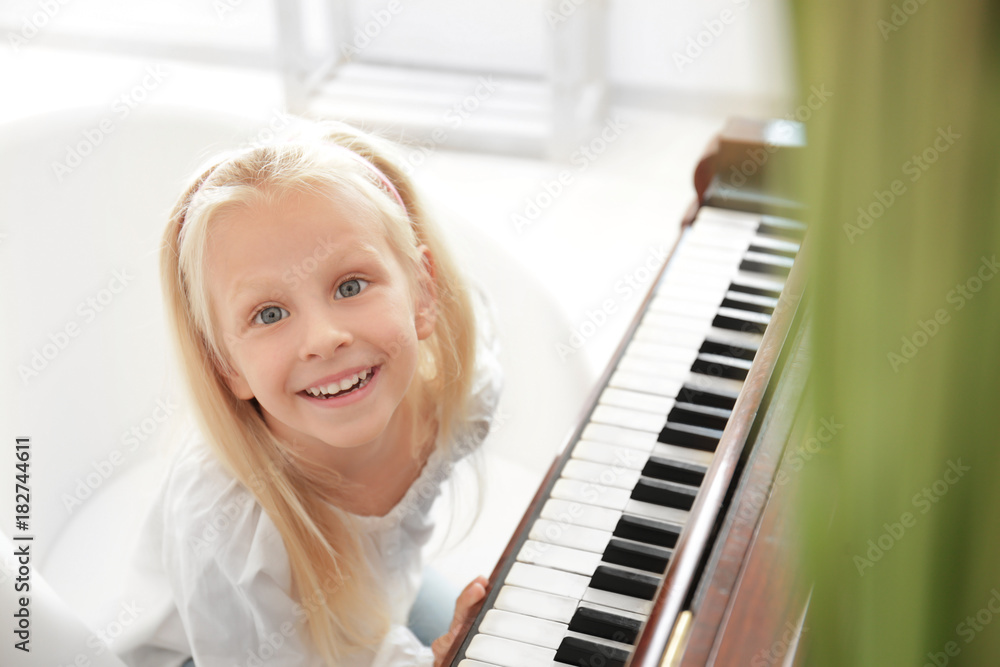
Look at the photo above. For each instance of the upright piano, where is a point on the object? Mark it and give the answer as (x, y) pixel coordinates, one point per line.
(660, 535)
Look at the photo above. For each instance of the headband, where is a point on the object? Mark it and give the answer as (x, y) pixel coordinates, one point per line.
(382, 178)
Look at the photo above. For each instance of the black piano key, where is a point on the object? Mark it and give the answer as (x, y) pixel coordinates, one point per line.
(625, 582)
(695, 437)
(733, 350)
(743, 304)
(714, 366)
(715, 399)
(670, 470)
(600, 623)
(753, 289)
(738, 324)
(759, 264)
(781, 228)
(699, 415)
(665, 494)
(650, 531)
(637, 556)
(577, 651)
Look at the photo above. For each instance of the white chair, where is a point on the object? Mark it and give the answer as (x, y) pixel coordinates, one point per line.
(88, 192)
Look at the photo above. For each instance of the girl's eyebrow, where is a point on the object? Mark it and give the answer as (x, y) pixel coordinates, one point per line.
(295, 272)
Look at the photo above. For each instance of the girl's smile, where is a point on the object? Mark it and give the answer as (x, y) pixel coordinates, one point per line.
(345, 388)
(329, 354)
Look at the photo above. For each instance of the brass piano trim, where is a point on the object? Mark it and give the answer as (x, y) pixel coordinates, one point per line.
(678, 641)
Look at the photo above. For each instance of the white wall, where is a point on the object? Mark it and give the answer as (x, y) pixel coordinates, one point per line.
(743, 56)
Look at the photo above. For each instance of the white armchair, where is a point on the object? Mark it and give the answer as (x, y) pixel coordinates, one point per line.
(91, 382)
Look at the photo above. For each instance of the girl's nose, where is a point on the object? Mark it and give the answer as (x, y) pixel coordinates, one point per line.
(323, 333)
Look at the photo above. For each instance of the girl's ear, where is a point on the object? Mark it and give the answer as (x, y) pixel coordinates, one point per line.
(425, 313)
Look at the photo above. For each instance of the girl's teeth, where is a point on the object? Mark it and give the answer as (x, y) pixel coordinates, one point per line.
(335, 387)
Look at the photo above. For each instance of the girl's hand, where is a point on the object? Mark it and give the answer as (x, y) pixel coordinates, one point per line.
(469, 597)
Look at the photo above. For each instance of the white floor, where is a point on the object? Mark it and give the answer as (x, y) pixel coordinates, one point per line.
(618, 215)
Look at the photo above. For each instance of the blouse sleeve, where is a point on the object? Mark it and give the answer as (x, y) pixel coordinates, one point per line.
(230, 575)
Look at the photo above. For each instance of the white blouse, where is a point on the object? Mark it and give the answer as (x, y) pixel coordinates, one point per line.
(211, 573)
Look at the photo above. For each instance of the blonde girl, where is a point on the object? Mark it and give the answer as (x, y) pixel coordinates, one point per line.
(339, 364)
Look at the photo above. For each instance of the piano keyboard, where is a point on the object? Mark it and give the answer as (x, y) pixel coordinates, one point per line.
(587, 572)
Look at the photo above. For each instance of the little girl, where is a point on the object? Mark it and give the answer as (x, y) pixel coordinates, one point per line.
(339, 366)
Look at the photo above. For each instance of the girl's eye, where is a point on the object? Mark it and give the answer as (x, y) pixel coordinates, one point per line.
(270, 315)
(351, 287)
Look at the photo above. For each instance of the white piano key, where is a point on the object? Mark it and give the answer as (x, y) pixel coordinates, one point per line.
(737, 338)
(547, 580)
(759, 281)
(675, 322)
(696, 270)
(612, 475)
(475, 663)
(651, 511)
(758, 318)
(659, 352)
(707, 245)
(569, 535)
(637, 401)
(725, 359)
(703, 270)
(536, 603)
(616, 435)
(672, 290)
(578, 514)
(651, 384)
(527, 629)
(725, 216)
(618, 601)
(712, 383)
(509, 653)
(695, 278)
(591, 494)
(719, 237)
(709, 230)
(637, 419)
(599, 452)
(698, 258)
(767, 258)
(668, 306)
(677, 452)
(559, 558)
(783, 245)
(688, 341)
(753, 299)
(691, 244)
(670, 327)
(657, 369)
(787, 223)
(714, 364)
(684, 332)
(703, 259)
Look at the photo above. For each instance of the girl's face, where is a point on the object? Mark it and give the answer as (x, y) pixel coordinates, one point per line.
(318, 319)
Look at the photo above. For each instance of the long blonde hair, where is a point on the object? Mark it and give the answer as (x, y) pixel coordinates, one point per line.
(330, 577)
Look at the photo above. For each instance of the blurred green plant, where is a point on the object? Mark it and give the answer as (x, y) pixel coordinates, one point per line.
(899, 517)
